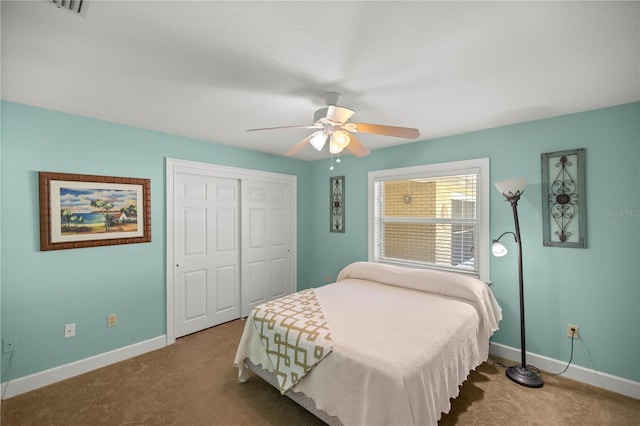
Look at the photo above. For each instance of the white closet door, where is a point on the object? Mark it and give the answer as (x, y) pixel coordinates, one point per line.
(266, 242)
(206, 247)
(231, 236)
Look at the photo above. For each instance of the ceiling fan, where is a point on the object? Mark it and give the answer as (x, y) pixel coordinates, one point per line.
(333, 125)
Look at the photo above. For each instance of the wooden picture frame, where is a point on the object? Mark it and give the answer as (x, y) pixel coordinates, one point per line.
(336, 204)
(564, 199)
(79, 211)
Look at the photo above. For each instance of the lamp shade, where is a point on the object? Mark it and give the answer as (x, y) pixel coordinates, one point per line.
(334, 147)
(342, 138)
(511, 187)
(318, 140)
(498, 249)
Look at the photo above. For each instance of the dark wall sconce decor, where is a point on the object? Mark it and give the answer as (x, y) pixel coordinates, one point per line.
(564, 217)
(336, 204)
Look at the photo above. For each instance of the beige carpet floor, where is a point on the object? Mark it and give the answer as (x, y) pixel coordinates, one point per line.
(193, 383)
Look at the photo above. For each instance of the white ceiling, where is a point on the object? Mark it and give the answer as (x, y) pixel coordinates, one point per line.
(210, 70)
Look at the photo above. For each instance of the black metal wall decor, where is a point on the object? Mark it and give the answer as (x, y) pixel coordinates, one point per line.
(564, 199)
(336, 204)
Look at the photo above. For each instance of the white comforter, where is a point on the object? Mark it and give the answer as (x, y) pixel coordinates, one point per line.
(400, 351)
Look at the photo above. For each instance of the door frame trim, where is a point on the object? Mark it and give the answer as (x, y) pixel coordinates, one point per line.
(174, 166)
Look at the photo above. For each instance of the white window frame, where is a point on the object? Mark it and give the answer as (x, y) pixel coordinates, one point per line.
(479, 166)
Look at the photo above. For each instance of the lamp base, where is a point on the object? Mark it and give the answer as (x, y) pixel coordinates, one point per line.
(524, 376)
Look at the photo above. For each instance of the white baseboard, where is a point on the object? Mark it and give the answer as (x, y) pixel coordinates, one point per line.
(34, 381)
(581, 374)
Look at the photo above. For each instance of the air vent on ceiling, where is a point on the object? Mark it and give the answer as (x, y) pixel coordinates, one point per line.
(77, 6)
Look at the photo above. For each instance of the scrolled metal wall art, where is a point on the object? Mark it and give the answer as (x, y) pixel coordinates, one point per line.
(564, 196)
(336, 204)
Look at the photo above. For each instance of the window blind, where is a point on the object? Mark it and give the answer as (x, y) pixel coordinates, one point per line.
(430, 221)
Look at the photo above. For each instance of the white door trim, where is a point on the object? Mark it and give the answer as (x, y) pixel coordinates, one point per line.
(174, 166)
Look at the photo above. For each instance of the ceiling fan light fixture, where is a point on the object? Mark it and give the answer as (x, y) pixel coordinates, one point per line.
(334, 146)
(342, 138)
(318, 140)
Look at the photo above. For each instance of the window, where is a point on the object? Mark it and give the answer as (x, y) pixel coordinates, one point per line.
(432, 216)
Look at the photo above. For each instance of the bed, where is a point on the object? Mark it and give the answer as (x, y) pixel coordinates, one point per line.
(400, 343)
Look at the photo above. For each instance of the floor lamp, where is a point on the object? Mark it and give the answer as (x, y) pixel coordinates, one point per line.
(512, 190)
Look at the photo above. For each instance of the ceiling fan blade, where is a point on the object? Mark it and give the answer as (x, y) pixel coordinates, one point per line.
(338, 114)
(381, 129)
(297, 147)
(304, 126)
(356, 147)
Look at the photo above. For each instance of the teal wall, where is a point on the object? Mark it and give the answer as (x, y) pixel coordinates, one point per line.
(42, 291)
(597, 288)
(1, 365)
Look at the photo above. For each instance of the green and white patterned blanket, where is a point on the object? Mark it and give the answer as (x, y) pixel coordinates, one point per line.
(295, 335)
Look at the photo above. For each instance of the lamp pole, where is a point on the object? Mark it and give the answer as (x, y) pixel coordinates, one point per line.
(523, 345)
(520, 373)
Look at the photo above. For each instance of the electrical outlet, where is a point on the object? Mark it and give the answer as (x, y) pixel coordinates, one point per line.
(70, 330)
(10, 344)
(327, 279)
(112, 320)
(572, 331)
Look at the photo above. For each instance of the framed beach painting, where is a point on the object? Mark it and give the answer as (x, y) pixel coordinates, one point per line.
(89, 211)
